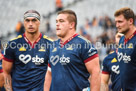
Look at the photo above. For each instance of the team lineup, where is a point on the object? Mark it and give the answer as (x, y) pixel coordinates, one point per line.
(34, 62)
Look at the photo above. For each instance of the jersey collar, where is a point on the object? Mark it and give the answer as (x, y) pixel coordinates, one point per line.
(126, 40)
(37, 40)
(63, 43)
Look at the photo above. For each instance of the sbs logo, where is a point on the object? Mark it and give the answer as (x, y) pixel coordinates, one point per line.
(124, 57)
(27, 58)
(63, 60)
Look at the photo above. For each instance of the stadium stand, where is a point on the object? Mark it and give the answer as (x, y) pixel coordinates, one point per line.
(12, 11)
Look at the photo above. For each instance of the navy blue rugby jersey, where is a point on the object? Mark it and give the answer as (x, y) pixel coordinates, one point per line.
(67, 63)
(127, 59)
(29, 62)
(111, 67)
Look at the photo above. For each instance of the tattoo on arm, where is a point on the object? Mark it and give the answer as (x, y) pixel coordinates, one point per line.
(8, 84)
(7, 81)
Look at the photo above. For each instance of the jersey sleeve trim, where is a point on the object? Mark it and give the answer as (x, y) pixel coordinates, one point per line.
(104, 72)
(1, 70)
(90, 58)
(9, 60)
(49, 65)
(49, 68)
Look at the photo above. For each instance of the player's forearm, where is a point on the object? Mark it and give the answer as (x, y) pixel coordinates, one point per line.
(47, 81)
(46, 88)
(46, 85)
(7, 68)
(1, 80)
(104, 87)
(95, 82)
(8, 82)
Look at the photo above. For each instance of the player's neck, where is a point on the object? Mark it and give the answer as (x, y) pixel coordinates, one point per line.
(32, 37)
(68, 35)
(130, 32)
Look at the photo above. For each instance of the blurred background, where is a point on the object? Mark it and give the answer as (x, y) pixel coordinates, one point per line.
(95, 19)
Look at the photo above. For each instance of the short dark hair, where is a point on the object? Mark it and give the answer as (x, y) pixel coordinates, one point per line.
(126, 12)
(71, 16)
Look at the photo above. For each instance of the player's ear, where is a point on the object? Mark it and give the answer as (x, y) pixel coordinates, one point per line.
(131, 21)
(72, 25)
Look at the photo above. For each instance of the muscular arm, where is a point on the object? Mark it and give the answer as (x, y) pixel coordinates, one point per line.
(1, 73)
(1, 80)
(104, 82)
(47, 81)
(7, 67)
(94, 69)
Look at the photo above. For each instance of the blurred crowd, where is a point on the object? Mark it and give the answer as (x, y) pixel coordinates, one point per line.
(99, 30)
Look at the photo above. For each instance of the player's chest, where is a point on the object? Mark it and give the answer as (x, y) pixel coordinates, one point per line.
(29, 55)
(126, 51)
(64, 56)
(114, 67)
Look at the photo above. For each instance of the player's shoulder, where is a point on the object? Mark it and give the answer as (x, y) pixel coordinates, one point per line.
(112, 53)
(82, 39)
(134, 37)
(110, 56)
(122, 38)
(17, 38)
(47, 38)
(56, 42)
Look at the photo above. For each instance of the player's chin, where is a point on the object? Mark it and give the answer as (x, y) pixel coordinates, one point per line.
(32, 32)
(120, 31)
(58, 33)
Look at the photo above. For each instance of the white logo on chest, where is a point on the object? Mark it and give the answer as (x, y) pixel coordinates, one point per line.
(124, 57)
(27, 58)
(115, 69)
(54, 60)
(63, 60)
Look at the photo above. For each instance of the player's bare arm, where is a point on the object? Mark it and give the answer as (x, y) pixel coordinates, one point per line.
(104, 82)
(94, 69)
(1, 80)
(1, 73)
(47, 82)
(7, 67)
